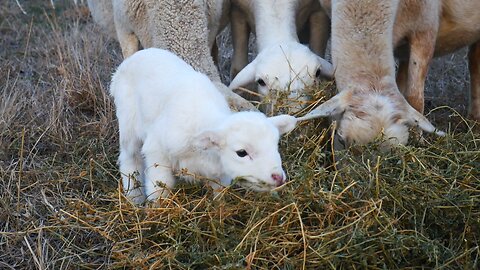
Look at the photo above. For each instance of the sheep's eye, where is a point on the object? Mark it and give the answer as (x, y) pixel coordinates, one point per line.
(242, 153)
(261, 82)
(318, 73)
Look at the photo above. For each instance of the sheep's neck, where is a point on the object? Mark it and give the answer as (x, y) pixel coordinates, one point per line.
(362, 49)
(275, 23)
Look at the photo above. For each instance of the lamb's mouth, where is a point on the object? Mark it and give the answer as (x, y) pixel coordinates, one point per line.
(254, 184)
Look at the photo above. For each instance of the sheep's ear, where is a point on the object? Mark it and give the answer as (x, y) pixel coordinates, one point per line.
(245, 76)
(419, 120)
(331, 107)
(210, 139)
(326, 68)
(284, 122)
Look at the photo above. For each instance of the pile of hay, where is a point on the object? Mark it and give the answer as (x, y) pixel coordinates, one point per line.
(60, 205)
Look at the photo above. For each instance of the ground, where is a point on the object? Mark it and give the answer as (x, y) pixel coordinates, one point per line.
(417, 206)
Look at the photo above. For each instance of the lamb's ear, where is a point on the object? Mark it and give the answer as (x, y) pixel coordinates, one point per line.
(334, 106)
(245, 76)
(326, 68)
(209, 139)
(284, 122)
(419, 120)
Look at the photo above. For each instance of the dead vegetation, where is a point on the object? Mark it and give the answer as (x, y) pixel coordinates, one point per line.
(60, 205)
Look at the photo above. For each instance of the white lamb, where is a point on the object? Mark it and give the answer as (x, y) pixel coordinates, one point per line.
(369, 103)
(172, 119)
(282, 63)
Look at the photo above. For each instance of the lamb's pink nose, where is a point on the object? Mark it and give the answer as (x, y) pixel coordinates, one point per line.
(278, 178)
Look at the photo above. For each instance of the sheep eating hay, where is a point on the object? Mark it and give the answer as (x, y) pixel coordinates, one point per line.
(426, 29)
(283, 63)
(171, 118)
(369, 103)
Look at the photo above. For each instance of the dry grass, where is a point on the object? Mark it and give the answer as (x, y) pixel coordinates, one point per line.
(60, 205)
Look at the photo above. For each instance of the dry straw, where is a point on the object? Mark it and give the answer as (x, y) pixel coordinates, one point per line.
(417, 206)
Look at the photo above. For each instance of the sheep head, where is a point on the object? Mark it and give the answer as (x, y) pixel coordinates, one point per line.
(289, 68)
(247, 144)
(363, 116)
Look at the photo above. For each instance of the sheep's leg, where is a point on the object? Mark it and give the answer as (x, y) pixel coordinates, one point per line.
(319, 32)
(240, 35)
(126, 37)
(131, 167)
(422, 46)
(214, 53)
(474, 66)
(129, 43)
(402, 76)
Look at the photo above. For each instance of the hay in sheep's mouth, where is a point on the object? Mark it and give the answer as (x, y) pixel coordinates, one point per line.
(416, 206)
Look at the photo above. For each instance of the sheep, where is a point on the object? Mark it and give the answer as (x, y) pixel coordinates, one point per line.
(427, 29)
(102, 14)
(417, 22)
(369, 102)
(316, 26)
(172, 119)
(282, 62)
(184, 27)
(439, 28)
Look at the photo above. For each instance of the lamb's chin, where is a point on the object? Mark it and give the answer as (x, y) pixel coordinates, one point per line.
(255, 184)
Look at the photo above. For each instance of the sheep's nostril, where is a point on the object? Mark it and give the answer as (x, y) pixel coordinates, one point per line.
(278, 178)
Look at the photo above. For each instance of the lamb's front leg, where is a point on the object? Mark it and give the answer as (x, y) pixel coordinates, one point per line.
(131, 168)
(219, 185)
(158, 172)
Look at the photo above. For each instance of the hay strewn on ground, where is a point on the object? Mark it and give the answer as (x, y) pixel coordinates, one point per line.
(60, 205)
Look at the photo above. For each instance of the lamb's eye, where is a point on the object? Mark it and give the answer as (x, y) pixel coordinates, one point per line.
(242, 153)
(261, 82)
(318, 73)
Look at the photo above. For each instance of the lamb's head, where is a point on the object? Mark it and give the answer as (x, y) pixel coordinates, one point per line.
(247, 144)
(287, 68)
(363, 116)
